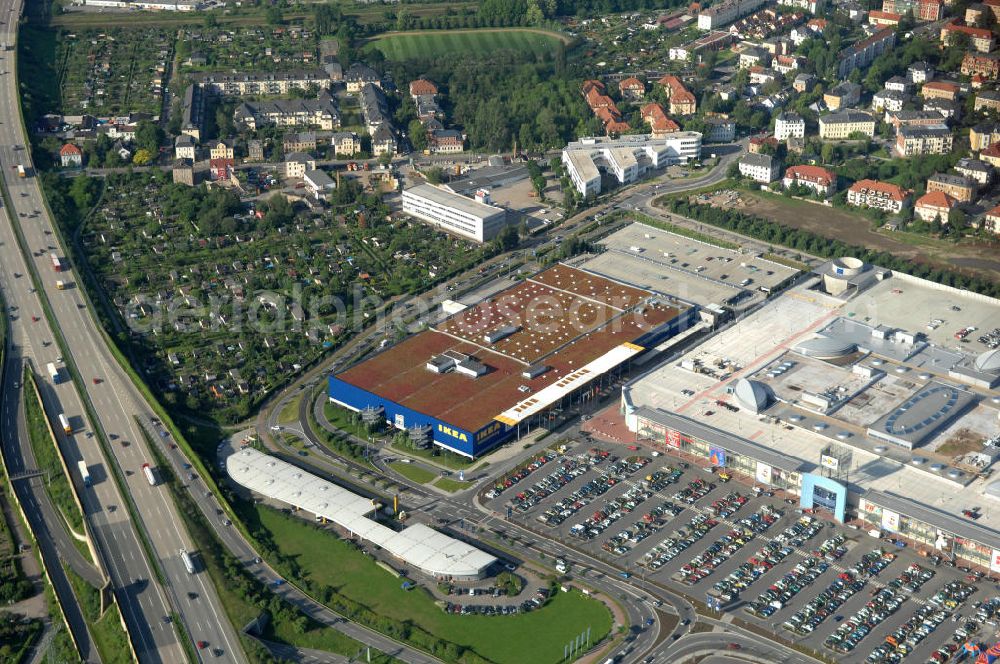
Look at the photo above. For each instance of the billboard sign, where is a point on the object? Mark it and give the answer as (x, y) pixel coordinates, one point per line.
(400, 421)
(763, 474)
(674, 438)
(717, 457)
(890, 521)
(833, 463)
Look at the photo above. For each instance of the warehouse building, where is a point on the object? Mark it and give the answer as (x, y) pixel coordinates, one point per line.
(473, 219)
(496, 370)
(626, 158)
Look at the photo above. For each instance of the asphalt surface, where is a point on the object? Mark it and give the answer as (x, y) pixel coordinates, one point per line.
(144, 603)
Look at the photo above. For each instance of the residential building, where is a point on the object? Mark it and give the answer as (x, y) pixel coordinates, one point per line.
(841, 96)
(838, 126)
(345, 144)
(384, 141)
(318, 183)
(975, 169)
(679, 53)
(986, 65)
(255, 150)
(753, 57)
(221, 168)
(987, 100)
(860, 55)
(803, 82)
(445, 141)
(916, 140)
(659, 124)
(374, 108)
(222, 150)
(422, 87)
(682, 101)
(947, 108)
(259, 84)
(70, 156)
(358, 75)
(758, 143)
(922, 10)
(939, 90)
(959, 187)
(814, 7)
(320, 113)
(883, 19)
(184, 147)
(785, 64)
(427, 107)
(919, 72)
(991, 154)
(981, 39)
(763, 75)
(299, 142)
(976, 13)
(994, 7)
(878, 195)
(819, 179)
(297, 163)
(476, 220)
(991, 221)
(984, 134)
(898, 119)
(192, 111)
(626, 158)
(898, 83)
(761, 168)
(725, 12)
(889, 100)
(632, 88)
(935, 205)
(183, 172)
(789, 124)
(719, 130)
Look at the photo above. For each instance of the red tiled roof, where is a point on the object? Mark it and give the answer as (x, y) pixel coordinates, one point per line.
(980, 33)
(885, 16)
(940, 85)
(422, 86)
(69, 148)
(811, 174)
(657, 118)
(895, 192)
(995, 212)
(630, 83)
(938, 200)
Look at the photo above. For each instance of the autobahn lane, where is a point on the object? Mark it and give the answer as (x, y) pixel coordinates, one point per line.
(144, 603)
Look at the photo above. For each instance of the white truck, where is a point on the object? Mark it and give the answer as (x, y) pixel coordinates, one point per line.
(53, 372)
(21, 172)
(64, 423)
(147, 470)
(188, 561)
(84, 473)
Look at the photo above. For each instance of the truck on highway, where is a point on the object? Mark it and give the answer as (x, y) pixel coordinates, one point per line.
(56, 263)
(21, 173)
(84, 473)
(53, 372)
(147, 470)
(188, 561)
(60, 284)
(64, 423)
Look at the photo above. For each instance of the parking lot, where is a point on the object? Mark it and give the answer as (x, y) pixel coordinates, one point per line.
(834, 589)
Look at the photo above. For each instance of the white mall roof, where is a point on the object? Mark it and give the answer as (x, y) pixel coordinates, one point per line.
(430, 551)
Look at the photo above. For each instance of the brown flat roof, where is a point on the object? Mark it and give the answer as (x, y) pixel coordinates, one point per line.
(583, 330)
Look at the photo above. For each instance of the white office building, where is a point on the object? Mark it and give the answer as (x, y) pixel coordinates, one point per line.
(626, 158)
(472, 219)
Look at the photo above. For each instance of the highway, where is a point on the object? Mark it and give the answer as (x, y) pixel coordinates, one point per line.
(145, 604)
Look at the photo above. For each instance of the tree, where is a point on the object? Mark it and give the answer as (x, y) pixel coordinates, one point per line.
(827, 153)
(142, 157)
(148, 136)
(507, 239)
(434, 174)
(418, 134)
(273, 15)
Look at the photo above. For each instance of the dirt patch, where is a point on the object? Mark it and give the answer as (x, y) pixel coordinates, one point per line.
(838, 224)
(963, 442)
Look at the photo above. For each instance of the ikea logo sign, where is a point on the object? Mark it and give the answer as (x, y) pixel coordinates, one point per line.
(488, 431)
(454, 433)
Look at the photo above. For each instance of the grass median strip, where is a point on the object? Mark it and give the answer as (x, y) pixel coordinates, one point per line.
(57, 485)
(110, 637)
(413, 472)
(451, 486)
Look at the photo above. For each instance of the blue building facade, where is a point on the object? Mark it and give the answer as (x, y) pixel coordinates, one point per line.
(464, 442)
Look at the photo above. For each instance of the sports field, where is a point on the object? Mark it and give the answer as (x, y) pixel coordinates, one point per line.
(415, 45)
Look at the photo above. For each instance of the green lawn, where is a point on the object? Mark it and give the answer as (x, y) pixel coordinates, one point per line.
(451, 485)
(289, 414)
(537, 637)
(442, 458)
(419, 45)
(412, 472)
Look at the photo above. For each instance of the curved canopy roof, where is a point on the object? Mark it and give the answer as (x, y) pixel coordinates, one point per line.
(752, 395)
(825, 347)
(989, 361)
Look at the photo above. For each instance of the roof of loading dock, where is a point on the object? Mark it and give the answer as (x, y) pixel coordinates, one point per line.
(432, 552)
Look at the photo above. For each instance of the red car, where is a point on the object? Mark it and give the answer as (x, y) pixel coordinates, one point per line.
(97, 381)
(734, 646)
(202, 645)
